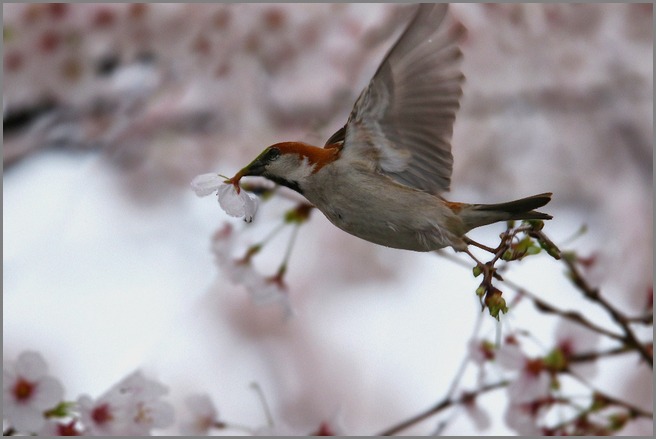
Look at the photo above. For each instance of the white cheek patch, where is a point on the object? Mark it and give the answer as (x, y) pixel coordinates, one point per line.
(302, 171)
(291, 169)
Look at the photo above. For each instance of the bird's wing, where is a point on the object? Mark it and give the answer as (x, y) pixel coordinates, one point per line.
(404, 118)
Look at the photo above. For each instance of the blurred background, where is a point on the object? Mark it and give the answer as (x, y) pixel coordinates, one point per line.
(109, 111)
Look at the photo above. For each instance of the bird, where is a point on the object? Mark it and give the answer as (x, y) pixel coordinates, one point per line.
(382, 176)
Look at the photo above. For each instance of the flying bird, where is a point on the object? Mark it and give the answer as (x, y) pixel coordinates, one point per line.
(382, 176)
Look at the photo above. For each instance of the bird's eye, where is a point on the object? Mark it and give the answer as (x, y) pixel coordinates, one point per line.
(271, 155)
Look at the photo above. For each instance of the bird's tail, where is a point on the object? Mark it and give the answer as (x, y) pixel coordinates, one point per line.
(476, 215)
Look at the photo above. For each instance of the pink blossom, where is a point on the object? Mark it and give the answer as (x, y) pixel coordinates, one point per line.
(529, 391)
(573, 339)
(263, 290)
(132, 407)
(479, 416)
(525, 418)
(28, 391)
(204, 416)
(54, 427)
(481, 351)
(532, 381)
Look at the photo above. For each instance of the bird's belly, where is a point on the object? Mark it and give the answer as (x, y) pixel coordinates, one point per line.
(400, 219)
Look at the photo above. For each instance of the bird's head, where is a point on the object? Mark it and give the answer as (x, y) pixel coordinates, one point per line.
(289, 164)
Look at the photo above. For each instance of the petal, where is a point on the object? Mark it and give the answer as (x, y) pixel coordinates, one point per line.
(24, 418)
(230, 201)
(521, 421)
(511, 357)
(31, 366)
(250, 207)
(206, 184)
(162, 413)
(49, 393)
(528, 388)
(201, 406)
(479, 416)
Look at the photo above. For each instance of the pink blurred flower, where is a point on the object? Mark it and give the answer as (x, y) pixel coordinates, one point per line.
(481, 351)
(572, 339)
(263, 290)
(479, 416)
(54, 427)
(525, 418)
(204, 416)
(132, 407)
(532, 381)
(28, 392)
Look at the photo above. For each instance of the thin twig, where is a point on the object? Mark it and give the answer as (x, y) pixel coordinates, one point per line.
(635, 411)
(586, 357)
(440, 406)
(594, 295)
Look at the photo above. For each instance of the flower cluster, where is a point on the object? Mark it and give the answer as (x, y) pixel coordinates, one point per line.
(263, 290)
(536, 387)
(33, 404)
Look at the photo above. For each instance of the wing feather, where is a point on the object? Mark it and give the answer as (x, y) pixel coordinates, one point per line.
(405, 116)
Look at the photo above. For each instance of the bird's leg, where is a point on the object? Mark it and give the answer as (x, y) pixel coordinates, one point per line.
(469, 241)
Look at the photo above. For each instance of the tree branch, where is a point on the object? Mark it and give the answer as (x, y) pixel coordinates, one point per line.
(440, 406)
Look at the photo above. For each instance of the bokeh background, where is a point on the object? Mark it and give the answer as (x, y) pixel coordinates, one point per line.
(111, 109)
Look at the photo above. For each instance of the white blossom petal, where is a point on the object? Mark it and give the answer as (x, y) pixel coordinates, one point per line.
(203, 413)
(31, 365)
(250, 207)
(230, 201)
(28, 392)
(519, 419)
(510, 357)
(26, 419)
(50, 392)
(528, 387)
(237, 204)
(206, 184)
(479, 416)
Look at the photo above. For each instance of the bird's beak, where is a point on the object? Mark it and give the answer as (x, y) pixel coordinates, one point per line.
(255, 168)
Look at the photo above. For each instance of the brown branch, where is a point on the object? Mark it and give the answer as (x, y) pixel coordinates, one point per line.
(594, 295)
(544, 306)
(586, 357)
(440, 406)
(569, 315)
(606, 399)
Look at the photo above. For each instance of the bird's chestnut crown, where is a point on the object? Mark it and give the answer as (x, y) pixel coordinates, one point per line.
(288, 163)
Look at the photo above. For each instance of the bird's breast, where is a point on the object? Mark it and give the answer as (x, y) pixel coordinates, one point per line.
(372, 207)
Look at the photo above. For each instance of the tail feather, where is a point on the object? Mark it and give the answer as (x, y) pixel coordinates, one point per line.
(476, 215)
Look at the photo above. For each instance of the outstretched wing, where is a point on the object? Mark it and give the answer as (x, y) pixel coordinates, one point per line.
(404, 118)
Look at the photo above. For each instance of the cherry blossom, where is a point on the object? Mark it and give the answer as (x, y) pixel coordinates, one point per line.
(234, 201)
(572, 339)
(131, 407)
(204, 416)
(207, 184)
(58, 428)
(263, 290)
(525, 418)
(28, 391)
(532, 381)
(481, 351)
(479, 416)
